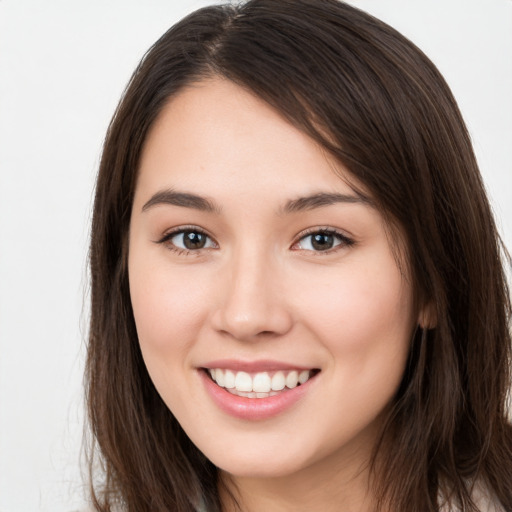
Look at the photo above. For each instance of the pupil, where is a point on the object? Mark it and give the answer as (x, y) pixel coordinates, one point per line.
(193, 240)
(322, 241)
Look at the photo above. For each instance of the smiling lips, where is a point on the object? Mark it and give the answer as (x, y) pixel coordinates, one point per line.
(261, 384)
(233, 385)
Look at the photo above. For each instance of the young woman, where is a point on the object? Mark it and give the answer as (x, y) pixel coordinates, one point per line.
(298, 301)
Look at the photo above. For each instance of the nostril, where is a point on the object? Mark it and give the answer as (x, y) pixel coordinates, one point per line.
(266, 333)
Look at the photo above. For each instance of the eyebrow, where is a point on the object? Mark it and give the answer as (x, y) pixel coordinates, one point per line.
(185, 199)
(322, 199)
(194, 201)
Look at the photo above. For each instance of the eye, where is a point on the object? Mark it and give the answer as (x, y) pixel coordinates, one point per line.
(188, 240)
(323, 241)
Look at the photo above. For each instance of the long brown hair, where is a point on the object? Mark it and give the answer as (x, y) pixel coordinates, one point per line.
(372, 99)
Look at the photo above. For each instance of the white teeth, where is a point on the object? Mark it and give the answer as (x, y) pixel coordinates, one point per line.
(219, 377)
(278, 381)
(229, 379)
(291, 379)
(243, 382)
(252, 394)
(260, 385)
(303, 376)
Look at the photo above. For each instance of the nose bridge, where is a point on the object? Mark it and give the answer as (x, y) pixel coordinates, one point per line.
(252, 303)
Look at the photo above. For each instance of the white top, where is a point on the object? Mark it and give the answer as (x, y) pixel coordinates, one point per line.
(483, 500)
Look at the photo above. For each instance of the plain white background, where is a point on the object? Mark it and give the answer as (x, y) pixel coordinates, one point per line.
(63, 66)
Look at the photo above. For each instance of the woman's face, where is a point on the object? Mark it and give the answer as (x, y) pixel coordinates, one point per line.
(251, 260)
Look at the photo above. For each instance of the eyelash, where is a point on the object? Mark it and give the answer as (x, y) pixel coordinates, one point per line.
(343, 239)
(166, 240)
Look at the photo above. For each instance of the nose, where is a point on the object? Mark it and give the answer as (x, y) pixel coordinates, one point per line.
(252, 299)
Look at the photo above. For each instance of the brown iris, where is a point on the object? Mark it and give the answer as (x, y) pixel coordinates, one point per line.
(194, 240)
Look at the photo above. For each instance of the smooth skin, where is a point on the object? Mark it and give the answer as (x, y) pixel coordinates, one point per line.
(264, 276)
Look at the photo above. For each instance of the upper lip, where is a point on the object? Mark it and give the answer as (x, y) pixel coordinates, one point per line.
(266, 365)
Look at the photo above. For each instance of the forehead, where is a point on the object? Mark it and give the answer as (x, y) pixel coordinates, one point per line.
(215, 133)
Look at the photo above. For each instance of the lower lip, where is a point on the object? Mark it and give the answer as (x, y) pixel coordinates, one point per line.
(254, 409)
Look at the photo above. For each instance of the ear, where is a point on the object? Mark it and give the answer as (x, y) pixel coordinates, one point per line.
(427, 317)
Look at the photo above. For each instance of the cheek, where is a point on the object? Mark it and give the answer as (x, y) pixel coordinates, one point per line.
(364, 319)
(168, 305)
(169, 311)
(363, 308)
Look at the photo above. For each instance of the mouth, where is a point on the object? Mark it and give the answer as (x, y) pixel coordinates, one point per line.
(257, 390)
(263, 384)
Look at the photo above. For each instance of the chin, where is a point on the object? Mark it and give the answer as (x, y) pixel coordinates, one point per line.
(260, 469)
(280, 457)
